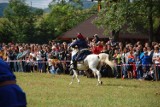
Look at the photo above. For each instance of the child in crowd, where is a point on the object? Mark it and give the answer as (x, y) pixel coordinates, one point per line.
(131, 62)
(149, 75)
(30, 64)
(117, 62)
(51, 67)
(139, 68)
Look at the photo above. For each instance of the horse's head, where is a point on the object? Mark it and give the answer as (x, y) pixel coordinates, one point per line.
(74, 51)
(70, 45)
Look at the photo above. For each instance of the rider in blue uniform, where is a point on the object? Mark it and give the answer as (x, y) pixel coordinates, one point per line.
(11, 95)
(82, 45)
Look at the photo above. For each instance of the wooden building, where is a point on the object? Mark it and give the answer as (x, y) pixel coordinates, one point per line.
(88, 29)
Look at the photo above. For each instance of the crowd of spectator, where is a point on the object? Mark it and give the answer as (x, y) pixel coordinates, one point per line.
(23, 57)
(132, 60)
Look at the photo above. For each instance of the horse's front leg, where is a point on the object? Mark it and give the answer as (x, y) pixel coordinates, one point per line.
(99, 77)
(75, 74)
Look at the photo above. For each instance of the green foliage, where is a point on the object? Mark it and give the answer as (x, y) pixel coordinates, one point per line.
(21, 20)
(65, 16)
(38, 12)
(114, 16)
(128, 16)
(26, 24)
(44, 32)
(5, 33)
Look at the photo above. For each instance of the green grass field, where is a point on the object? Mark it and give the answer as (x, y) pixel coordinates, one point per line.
(46, 90)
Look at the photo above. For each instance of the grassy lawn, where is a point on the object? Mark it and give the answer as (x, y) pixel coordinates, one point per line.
(46, 90)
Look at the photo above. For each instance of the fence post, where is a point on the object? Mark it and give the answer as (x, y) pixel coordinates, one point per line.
(121, 70)
(155, 67)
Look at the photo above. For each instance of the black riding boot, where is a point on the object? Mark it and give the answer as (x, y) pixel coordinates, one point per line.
(75, 64)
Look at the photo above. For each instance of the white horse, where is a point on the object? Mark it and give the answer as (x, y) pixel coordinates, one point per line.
(93, 62)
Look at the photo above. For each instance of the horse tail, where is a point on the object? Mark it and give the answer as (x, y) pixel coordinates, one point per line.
(110, 63)
(105, 58)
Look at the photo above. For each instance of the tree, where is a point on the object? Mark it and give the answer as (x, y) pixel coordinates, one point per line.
(5, 33)
(21, 20)
(26, 24)
(64, 16)
(139, 15)
(44, 32)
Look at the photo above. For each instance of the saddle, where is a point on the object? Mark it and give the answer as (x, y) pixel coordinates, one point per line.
(80, 56)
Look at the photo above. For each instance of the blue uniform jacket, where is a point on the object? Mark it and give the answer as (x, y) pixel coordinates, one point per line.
(11, 95)
(81, 43)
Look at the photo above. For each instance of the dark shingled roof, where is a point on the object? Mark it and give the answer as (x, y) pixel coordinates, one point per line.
(88, 29)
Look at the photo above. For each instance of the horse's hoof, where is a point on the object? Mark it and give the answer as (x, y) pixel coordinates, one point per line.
(70, 83)
(101, 82)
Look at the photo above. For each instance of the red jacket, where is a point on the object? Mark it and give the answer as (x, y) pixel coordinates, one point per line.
(97, 49)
